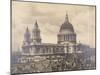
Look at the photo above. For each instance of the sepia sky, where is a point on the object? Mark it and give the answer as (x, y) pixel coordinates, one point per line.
(49, 18)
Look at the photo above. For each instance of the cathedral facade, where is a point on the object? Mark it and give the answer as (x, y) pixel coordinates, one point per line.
(66, 41)
(48, 57)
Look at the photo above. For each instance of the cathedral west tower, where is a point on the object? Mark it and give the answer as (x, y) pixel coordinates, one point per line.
(27, 37)
(36, 38)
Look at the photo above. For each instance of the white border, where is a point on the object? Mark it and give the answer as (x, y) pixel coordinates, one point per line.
(5, 37)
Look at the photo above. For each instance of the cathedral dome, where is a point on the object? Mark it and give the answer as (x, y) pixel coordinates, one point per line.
(66, 26)
(66, 33)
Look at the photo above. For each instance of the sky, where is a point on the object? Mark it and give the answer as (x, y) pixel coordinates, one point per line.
(50, 17)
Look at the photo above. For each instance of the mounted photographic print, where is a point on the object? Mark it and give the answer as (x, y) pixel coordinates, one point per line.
(52, 37)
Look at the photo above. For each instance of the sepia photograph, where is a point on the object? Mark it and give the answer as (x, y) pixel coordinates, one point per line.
(52, 37)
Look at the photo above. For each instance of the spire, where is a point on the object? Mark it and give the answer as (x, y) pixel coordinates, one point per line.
(27, 30)
(66, 18)
(36, 24)
(27, 36)
(36, 33)
(27, 33)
